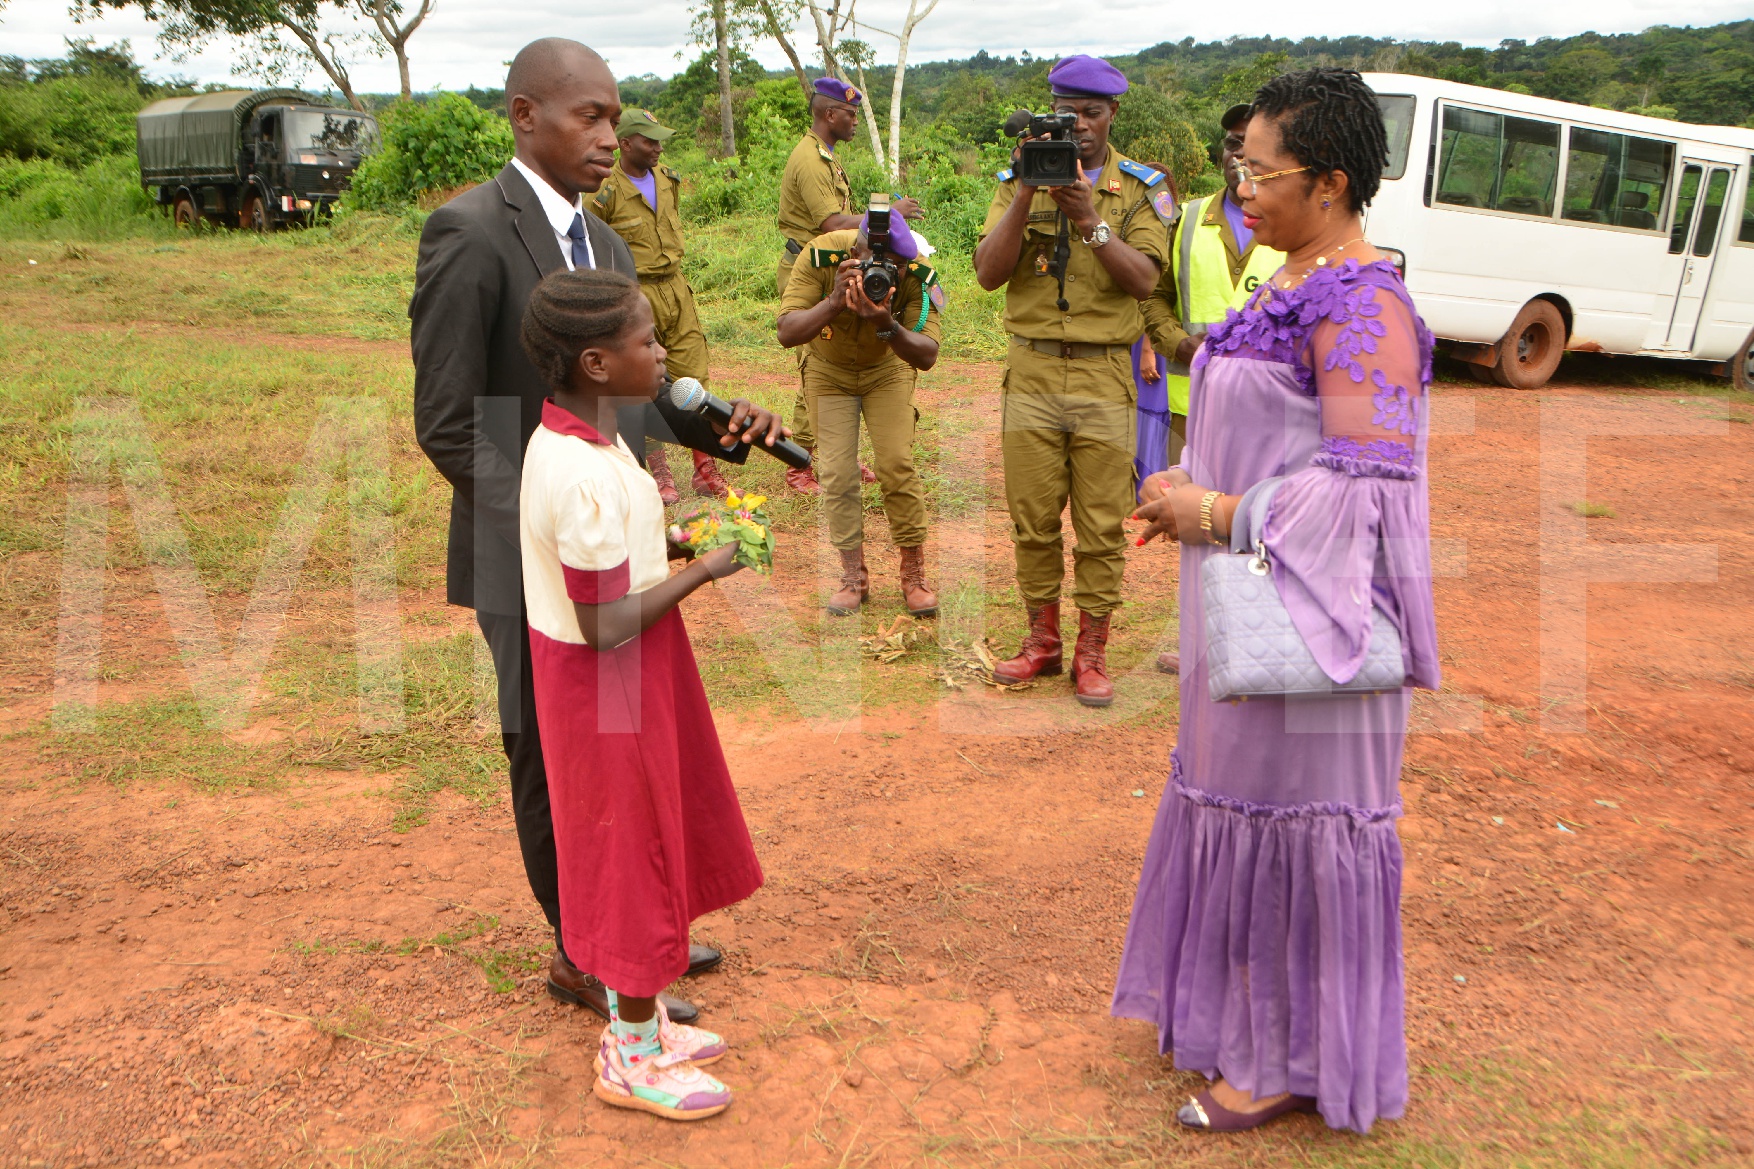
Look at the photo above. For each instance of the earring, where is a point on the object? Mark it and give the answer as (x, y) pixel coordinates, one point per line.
(1325, 204)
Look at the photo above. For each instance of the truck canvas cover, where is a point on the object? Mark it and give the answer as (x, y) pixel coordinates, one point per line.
(182, 136)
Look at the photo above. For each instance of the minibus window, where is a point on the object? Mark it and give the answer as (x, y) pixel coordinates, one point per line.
(1397, 117)
(1497, 162)
(1711, 212)
(1616, 178)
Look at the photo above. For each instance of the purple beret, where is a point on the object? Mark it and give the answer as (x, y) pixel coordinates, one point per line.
(838, 90)
(1085, 76)
(901, 241)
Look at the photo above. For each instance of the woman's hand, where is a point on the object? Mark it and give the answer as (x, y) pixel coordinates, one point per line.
(1147, 360)
(1161, 483)
(720, 562)
(1162, 520)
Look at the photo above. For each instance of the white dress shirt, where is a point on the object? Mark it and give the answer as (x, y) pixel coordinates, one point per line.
(560, 213)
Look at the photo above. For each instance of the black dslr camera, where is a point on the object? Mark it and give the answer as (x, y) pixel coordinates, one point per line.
(1044, 162)
(877, 272)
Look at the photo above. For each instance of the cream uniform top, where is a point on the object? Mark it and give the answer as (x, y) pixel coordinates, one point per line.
(590, 521)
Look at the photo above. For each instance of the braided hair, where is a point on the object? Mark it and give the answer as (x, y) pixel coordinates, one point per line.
(1330, 121)
(569, 313)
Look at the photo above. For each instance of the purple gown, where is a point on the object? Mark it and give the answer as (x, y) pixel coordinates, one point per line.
(1265, 940)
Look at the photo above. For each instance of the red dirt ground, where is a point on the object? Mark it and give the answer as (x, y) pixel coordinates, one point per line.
(926, 974)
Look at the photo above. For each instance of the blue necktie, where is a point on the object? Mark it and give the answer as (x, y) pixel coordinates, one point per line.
(581, 251)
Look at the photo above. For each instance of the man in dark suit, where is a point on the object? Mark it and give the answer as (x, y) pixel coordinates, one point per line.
(477, 399)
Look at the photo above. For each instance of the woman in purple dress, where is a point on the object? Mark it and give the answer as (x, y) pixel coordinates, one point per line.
(1265, 941)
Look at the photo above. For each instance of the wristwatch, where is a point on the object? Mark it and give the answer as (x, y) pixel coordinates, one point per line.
(1098, 237)
(886, 334)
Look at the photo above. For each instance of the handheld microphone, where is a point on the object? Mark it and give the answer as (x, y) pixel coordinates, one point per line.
(687, 394)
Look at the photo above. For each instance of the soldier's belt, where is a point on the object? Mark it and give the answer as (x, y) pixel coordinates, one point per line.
(1074, 350)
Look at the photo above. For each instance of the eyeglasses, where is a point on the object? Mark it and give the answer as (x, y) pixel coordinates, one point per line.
(1244, 175)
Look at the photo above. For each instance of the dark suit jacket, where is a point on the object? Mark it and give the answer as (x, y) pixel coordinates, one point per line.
(477, 398)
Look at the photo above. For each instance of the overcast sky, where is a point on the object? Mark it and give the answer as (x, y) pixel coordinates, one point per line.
(466, 42)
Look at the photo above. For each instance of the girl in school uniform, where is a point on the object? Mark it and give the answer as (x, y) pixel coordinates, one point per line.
(647, 828)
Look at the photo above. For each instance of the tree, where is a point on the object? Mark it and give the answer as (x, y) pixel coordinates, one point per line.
(858, 54)
(387, 15)
(769, 14)
(185, 26)
(914, 18)
(722, 54)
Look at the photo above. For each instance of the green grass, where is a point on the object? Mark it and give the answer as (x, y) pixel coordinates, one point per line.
(1592, 511)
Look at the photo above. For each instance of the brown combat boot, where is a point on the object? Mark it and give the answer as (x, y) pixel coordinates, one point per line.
(1040, 651)
(916, 594)
(855, 583)
(659, 466)
(803, 479)
(707, 482)
(1090, 662)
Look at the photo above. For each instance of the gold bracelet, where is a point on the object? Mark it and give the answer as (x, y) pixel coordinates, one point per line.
(1206, 502)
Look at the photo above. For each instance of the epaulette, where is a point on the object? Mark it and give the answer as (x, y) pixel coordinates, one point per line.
(924, 273)
(602, 199)
(1141, 172)
(674, 177)
(825, 152)
(1004, 176)
(827, 257)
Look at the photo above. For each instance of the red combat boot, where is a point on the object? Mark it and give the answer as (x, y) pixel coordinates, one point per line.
(916, 594)
(803, 479)
(659, 466)
(855, 583)
(1040, 651)
(1090, 662)
(707, 482)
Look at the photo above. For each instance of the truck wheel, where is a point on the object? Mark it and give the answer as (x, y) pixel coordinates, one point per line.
(1530, 350)
(184, 213)
(255, 214)
(1742, 366)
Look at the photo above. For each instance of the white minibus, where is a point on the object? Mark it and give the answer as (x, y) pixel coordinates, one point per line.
(1530, 226)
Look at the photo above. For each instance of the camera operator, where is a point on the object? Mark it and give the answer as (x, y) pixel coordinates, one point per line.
(1075, 261)
(815, 197)
(861, 356)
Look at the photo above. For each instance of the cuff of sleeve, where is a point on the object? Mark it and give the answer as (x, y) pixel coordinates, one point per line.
(596, 587)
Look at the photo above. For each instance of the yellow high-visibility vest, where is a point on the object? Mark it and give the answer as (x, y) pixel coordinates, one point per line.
(1206, 287)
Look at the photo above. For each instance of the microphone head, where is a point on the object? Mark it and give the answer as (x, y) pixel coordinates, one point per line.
(1017, 123)
(688, 394)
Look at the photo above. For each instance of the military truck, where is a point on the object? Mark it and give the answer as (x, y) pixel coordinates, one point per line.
(255, 158)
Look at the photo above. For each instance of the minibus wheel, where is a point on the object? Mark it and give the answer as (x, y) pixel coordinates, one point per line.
(1531, 348)
(1742, 366)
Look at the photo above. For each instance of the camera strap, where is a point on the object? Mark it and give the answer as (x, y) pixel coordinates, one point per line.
(1062, 257)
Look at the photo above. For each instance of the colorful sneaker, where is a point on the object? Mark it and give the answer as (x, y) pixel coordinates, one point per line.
(668, 1085)
(695, 1044)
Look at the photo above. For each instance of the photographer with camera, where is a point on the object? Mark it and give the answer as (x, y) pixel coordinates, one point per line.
(815, 197)
(865, 309)
(1077, 234)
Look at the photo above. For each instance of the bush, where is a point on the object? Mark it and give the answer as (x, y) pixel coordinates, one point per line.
(75, 120)
(436, 145)
(43, 199)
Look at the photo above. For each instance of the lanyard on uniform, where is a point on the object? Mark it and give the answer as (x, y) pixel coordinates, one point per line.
(1062, 256)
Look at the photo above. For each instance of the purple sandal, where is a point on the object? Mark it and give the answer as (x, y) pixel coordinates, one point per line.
(1207, 1115)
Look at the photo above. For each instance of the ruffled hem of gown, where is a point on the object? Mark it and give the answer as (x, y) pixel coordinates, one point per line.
(1265, 945)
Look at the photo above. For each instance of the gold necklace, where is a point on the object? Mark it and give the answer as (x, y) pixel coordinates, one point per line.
(1321, 262)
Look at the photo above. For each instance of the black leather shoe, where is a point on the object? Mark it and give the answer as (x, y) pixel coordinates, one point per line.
(700, 960)
(569, 984)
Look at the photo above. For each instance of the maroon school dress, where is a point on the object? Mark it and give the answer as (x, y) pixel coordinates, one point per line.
(647, 829)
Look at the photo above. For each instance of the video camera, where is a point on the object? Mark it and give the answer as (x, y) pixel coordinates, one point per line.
(877, 272)
(1047, 157)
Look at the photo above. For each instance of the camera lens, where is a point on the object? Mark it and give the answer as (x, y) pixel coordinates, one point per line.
(877, 283)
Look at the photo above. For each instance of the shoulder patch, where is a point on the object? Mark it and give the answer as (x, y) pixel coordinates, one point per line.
(1004, 176)
(1141, 172)
(1163, 202)
(826, 257)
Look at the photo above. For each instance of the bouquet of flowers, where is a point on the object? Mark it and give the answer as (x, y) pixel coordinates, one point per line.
(740, 522)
